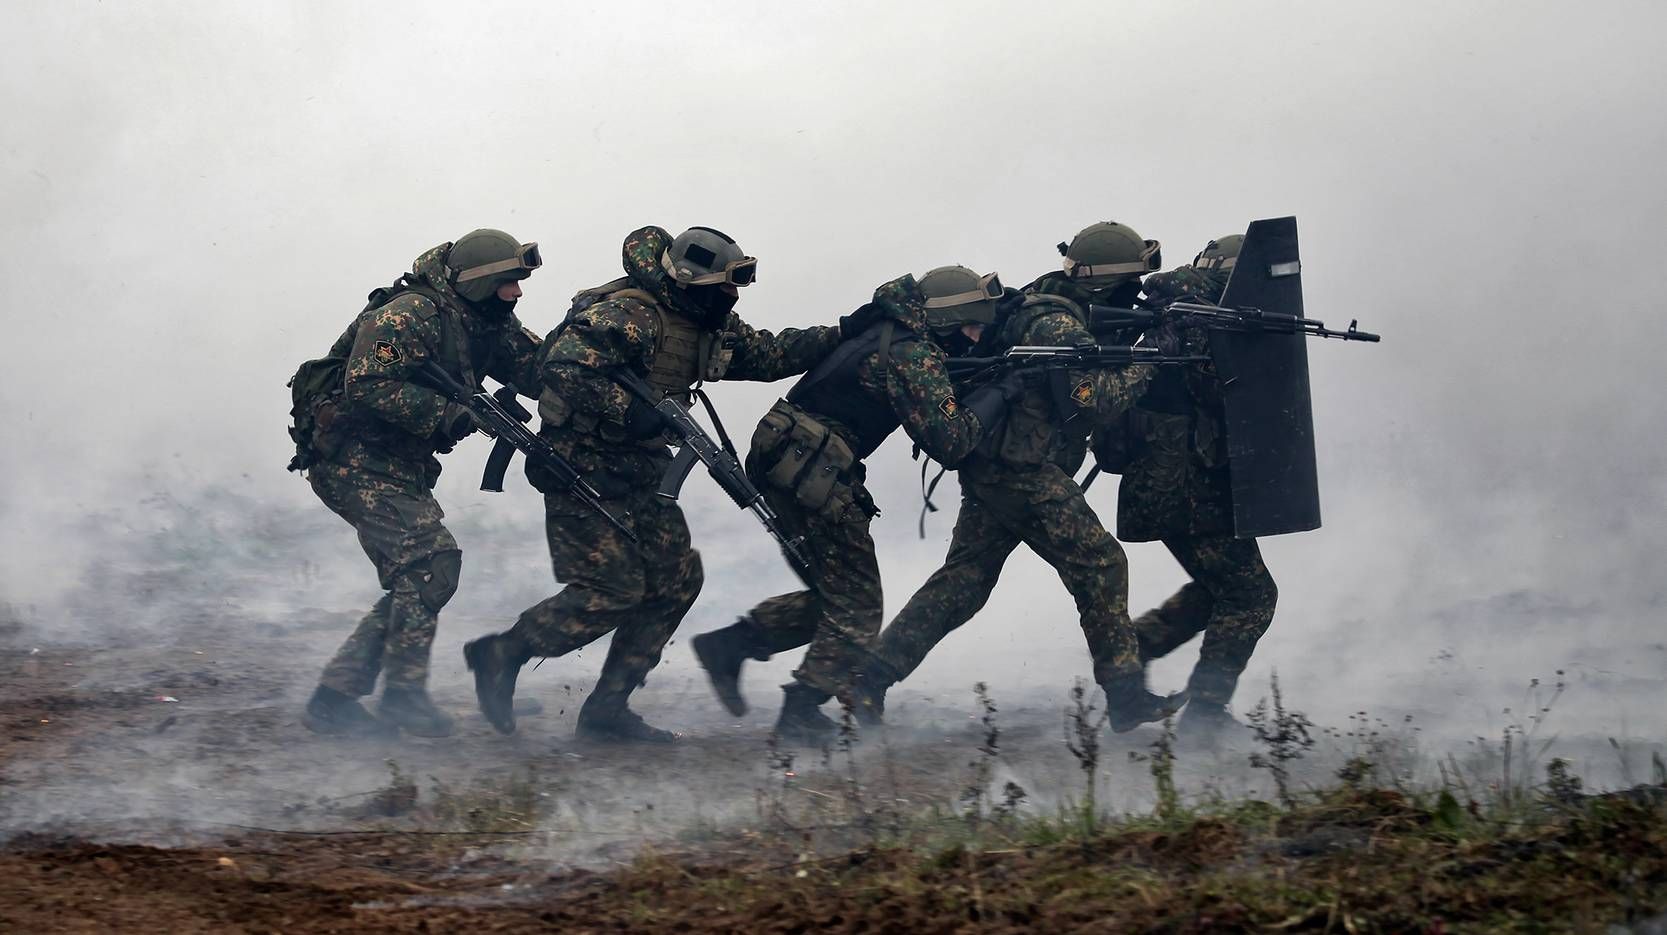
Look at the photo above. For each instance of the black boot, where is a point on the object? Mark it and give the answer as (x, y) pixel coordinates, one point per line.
(867, 698)
(411, 710)
(331, 712)
(1206, 725)
(721, 653)
(610, 721)
(1129, 704)
(801, 721)
(496, 661)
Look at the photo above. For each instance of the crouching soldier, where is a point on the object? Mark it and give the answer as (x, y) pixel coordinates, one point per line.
(807, 457)
(669, 319)
(367, 435)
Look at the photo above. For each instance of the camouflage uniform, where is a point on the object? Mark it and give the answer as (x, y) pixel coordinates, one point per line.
(377, 463)
(1176, 488)
(861, 401)
(639, 591)
(1017, 487)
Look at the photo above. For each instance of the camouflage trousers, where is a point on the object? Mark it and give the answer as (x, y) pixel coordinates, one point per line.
(1046, 510)
(1230, 599)
(840, 614)
(417, 562)
(638, 591)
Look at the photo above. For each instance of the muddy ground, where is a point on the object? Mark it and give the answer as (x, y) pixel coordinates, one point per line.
(168, 785)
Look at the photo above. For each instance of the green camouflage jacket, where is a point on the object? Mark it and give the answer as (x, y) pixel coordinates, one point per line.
(388, 424)
(1177, 482)
(584, 410)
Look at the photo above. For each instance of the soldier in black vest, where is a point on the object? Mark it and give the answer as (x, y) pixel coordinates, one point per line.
(807, 456)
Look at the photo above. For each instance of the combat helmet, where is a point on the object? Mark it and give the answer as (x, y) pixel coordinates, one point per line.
(957, 296)
(1219, 254)
(1109, 253)
(702, 256)
(482, 260)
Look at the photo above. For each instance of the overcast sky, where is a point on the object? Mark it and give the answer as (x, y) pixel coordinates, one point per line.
(197, 196)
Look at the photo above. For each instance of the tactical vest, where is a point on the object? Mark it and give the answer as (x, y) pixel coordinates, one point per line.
(1034, 431)
(683, 356)
(833, 389)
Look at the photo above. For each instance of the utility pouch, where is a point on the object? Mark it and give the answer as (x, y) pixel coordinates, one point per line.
(316, 396)
(804, 458)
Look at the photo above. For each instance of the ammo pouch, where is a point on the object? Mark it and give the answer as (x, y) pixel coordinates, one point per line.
(1027, 438)
(801, 456)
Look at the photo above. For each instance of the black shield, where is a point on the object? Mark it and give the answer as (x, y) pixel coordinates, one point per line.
(1264, 376)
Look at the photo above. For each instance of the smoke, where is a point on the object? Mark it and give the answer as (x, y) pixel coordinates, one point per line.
(199, 196)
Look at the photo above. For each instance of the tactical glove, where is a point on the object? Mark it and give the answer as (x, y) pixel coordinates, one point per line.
(858, 321)
(642, 420)
(990, 403)
(455, 425)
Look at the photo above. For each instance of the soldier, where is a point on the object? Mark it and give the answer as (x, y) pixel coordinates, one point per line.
(368, 436)
(1017, 487)
(1176, 488)
(807, 456)
(670, 317)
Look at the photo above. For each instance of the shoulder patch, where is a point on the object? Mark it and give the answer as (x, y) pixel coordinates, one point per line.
(1084, 393)
(949, 407)
(387, 353)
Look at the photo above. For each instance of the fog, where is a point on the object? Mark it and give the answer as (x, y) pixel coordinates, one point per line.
(198, 196)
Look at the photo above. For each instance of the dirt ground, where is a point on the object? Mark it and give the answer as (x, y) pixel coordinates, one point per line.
(151, 785)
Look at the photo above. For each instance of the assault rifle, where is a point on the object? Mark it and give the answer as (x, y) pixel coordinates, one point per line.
(1103, 319)
(1052, 366)
(693, 444)
(503, 418)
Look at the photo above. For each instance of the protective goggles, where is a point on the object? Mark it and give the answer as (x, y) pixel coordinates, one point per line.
(525, 260)
(989, 287)
(740, 272)
(1150, 260)
(1214, 262)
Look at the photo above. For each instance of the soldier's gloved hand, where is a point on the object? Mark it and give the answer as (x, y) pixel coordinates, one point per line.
(455, 425)
(990, 403)
(1017, 381)
(858, 321)
(642, 420)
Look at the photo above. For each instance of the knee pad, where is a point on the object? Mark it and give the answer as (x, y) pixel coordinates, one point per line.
(436, 579)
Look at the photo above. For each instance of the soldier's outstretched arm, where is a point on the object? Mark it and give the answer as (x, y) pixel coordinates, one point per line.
(1115, 389)
(390, 346)
(607, 336)
(765, 356)
(516, 362)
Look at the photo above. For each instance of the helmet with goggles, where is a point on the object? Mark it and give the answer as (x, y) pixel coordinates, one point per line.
(1219, 254)
(701, 256)
(482, 260)
(1109, 250)
(957, 296)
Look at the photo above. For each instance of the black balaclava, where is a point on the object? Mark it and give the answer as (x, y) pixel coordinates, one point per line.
(714, 303)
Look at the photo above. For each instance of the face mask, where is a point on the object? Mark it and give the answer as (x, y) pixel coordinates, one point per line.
(956, 343)
(714, 302)
(496, 308)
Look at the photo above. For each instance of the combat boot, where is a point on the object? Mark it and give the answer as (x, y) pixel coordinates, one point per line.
(1207, 725)
(802, 722)
(867, 699)
(1129, 704)
(411, 710)
(613, 722)
(496, 661)
(331, 712)
(721, 653)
